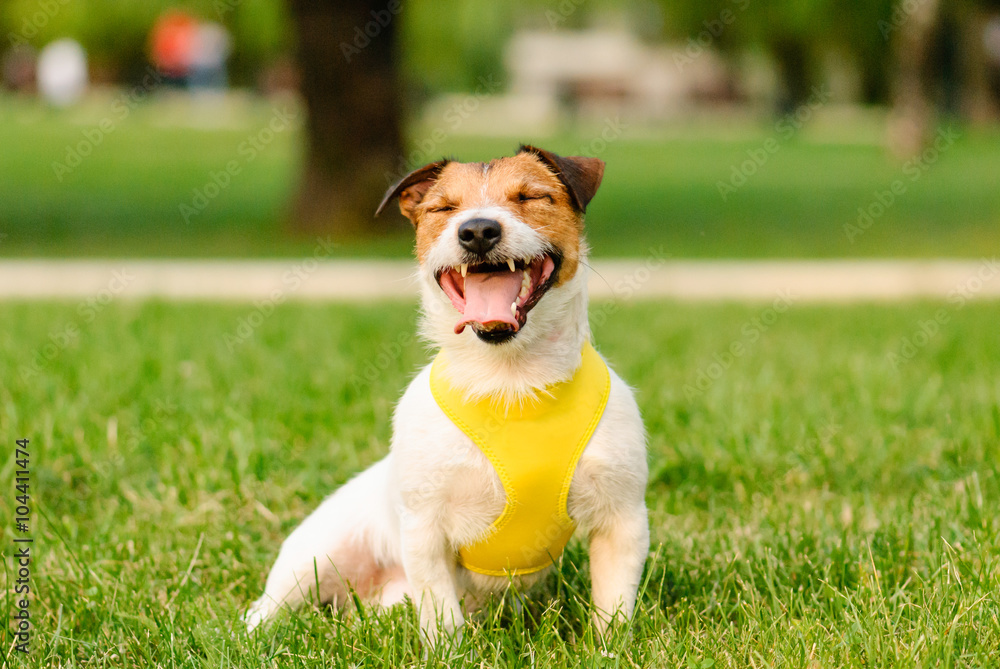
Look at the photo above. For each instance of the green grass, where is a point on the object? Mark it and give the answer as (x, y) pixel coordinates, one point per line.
(813, 506)
(661, 188)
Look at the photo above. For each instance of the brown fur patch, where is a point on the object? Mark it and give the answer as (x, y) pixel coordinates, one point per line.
(454, 188)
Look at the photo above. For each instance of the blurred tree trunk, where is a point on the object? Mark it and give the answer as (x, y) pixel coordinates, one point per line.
(346, 53)
(978, 99)
(913, 109)
(795, 71)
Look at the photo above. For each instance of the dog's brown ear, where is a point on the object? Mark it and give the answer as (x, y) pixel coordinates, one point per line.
(581, 175)
(411, 189)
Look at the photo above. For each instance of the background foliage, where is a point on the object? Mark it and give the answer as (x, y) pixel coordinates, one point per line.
(449, 44)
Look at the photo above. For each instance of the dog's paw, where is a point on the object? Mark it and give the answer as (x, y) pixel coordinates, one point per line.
(437, 627)
(259, 613)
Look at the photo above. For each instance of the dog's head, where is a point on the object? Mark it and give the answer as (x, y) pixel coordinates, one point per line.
(493, 239)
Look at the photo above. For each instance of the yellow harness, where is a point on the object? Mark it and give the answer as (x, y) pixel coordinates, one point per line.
(534, 448)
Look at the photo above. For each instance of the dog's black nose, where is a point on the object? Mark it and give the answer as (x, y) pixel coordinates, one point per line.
(479, 235)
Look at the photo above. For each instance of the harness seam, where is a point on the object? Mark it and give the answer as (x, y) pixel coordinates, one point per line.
(578, 453)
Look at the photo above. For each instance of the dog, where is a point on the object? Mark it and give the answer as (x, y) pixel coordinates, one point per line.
(516, 435)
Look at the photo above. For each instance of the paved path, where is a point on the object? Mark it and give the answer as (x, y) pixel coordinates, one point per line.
(349, 280)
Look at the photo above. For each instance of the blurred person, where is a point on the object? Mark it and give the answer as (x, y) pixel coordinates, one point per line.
(62, 72)
(211, 48)
(172, 45)
(19, 68)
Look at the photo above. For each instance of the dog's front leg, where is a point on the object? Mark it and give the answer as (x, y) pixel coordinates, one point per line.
(618, 548)
(430, 569)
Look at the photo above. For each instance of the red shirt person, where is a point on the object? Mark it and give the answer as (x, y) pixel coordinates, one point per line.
(173, 44)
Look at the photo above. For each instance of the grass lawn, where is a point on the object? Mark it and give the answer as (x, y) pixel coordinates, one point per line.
(814, 504)
(661, 189)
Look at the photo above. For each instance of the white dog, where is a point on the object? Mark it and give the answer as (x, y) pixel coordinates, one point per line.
(514, 436)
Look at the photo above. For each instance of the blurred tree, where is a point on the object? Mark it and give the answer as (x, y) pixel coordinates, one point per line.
(915, 26)
(351, 60)
(796, 34)
(350, 83)
(859, 34)
(981, 90)
(939, 66)
(451, 45)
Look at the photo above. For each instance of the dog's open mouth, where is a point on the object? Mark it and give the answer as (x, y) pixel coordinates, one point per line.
(495, 298)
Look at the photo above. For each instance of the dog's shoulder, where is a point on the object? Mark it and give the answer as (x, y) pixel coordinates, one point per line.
(420, 427)
(417, 405)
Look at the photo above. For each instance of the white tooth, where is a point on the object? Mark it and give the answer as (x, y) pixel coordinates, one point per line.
(513, 309)
(510, 263)
(465, 269)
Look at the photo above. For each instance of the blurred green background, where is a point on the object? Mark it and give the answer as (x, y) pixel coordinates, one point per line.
(730, 128)
(821, 503)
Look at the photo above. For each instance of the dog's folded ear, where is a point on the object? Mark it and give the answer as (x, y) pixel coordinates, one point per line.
(581, 175)
(411, 189)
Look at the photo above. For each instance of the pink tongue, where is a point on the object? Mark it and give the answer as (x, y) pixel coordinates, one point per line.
(488, 297)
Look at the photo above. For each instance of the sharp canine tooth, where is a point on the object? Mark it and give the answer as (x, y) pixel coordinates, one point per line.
(464, 269)
(510, 263)
(513, 309)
